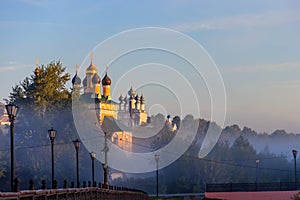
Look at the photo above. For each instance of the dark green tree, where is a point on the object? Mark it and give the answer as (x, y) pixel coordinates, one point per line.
(44, 102)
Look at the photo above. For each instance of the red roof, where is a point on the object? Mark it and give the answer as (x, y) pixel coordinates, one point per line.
(275, 195)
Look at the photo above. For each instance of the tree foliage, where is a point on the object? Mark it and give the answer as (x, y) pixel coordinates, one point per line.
(44, 91)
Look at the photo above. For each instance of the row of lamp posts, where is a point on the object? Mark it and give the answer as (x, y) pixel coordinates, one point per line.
(12, 111)
(52, 135)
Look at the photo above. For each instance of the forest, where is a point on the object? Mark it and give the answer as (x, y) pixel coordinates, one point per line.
(240, 155)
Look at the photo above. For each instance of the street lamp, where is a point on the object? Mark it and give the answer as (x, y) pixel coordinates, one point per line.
(77, 145)
(52, 135)
(12, 111)
(105, 165)
(93, 156)
(257, 162)
(156, 160)
(295, 164)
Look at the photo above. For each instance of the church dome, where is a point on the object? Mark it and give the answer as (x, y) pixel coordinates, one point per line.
(125, 99)
(84, 82)
(137, 98)
(142, 98)
(106, 80)
(92, 69)
(131, 92)
(96, 79)
(121, 98)
(37, 71)
(76, 80)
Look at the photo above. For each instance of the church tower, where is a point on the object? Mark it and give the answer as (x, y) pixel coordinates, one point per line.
(76, 81)
(91, 82)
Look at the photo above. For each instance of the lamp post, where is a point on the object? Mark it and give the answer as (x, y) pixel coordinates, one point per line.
(295, 165)
(156, 160)
(93, 156)
(257, 162)
(77, 145)
(12, 111)
(52, 135)
(105, 165)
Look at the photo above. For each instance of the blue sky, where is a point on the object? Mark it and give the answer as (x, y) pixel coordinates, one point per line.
(255, 44)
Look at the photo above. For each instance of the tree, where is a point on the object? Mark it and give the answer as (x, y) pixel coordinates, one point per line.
(44, 91)
(44, 101)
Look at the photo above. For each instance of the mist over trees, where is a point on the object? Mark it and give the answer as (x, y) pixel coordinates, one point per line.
(45, 102)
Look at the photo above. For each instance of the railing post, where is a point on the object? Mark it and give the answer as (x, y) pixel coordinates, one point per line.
(31, 185)
(16, 185)
(84, 184)
(65, 184)
(43, 184)
(72, 184)
(54, 184)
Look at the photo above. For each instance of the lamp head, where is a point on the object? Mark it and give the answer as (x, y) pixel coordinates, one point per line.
(52, 134)
(12, 111)
(294, 153)
(93, 155)
(76, 144)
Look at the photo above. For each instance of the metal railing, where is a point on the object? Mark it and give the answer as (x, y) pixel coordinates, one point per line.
(92, 193)
(249, 187)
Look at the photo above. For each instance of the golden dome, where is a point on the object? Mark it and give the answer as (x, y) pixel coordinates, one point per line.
(91, 69)
(37, 71)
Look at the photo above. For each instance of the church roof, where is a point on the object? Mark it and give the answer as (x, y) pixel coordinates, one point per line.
(111, 125)
(104, 99)
(87, 98)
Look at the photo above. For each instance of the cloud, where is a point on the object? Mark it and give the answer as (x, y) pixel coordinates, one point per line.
(12, 66)
(264, 68)
(241, 21)
(12, 62)
(5, 69)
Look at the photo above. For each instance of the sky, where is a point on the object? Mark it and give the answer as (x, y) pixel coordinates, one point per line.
(255, 45)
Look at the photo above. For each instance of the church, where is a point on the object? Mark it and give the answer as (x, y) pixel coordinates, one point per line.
(129, 112)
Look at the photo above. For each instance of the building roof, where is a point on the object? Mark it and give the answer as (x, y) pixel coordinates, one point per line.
(111, 125)
(104, 99)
